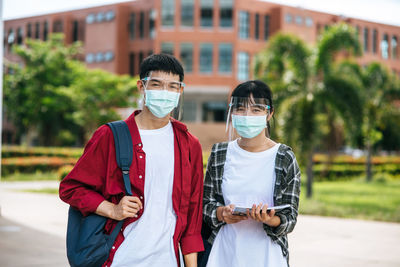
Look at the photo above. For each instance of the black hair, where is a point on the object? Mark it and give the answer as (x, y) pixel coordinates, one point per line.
(255, 89)
(161, 62)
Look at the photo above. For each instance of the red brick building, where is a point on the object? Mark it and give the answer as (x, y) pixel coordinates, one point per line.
(215, 40)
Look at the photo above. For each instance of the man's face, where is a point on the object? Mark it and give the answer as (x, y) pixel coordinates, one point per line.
(159, 80)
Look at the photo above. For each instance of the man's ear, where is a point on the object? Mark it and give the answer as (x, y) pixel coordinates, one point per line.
(140, 86)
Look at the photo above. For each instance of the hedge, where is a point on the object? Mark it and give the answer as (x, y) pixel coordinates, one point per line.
(20, 151)
(34, 164)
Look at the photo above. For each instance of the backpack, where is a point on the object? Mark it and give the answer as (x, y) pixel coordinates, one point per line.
(87, 244)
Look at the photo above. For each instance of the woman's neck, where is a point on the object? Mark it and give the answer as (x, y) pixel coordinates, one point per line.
(256, 144)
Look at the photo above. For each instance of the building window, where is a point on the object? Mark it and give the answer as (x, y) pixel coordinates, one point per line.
(243, 25)
(90, 18)
(75, 31)
(189, 110)
(167, 48)
(206, 57)
(110, 15)
(100, 17)
(132, 64)
(11, 37)
(29, 31)
(266, 27)
(90, 58)
(375, 41)
(394, 47)
(152, 23)
(385, 47)
(141, 25)
(257, 27)
(206, 13)
(132, 28)
(167, 12)
(108, 56)
(37, 30)
(288, 18)
(309, 22)
(366, 39)
(225, 13)
(299, 20)
(141, 57)
(58, 26)
(20, 36)
(225, 58)
(187, 10)
(99, 57)
(243, 66)
(187, 56)
(214, 111)
(45, 30)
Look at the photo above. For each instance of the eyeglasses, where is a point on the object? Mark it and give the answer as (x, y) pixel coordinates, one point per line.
(252, 109)
(162, 84)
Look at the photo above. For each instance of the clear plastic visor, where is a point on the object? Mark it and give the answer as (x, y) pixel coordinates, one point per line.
(245, 106)
(157, 83)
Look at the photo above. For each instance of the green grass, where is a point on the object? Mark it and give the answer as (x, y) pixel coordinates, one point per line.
(38, 176)
(378, 200)
(42, 191)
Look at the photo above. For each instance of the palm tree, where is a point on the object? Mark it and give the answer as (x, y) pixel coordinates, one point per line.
(377, 90)
(306, 87)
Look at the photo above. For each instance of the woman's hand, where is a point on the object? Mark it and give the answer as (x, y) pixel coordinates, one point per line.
(260, 214)
(224, 214)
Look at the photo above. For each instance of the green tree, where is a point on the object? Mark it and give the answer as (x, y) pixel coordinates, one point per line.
(95, 95)
(44, 97)
(377, 91)
(309, 95)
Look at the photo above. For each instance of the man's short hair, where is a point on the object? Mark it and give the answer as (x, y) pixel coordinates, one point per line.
(161, 62)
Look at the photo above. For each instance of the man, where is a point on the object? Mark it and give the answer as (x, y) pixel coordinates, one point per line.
(165, 211)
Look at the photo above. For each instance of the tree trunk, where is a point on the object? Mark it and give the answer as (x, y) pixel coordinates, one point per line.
(368, 163)
(310, 175)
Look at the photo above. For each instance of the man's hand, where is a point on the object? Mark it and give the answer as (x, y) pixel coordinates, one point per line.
(224, 214)
(127, 207)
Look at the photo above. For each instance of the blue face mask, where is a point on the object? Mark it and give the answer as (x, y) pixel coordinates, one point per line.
(161, 102)
(249, 126)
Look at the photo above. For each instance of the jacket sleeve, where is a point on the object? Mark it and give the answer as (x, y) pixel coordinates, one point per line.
(191, 240)
(290, 195)
(82, 187)
(210, 203)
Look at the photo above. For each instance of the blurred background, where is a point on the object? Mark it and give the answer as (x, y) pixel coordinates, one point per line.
(333, 66)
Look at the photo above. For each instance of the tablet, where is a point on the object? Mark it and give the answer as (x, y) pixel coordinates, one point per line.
(243, 211)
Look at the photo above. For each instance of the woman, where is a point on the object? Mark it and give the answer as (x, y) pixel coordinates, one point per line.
(252, 172)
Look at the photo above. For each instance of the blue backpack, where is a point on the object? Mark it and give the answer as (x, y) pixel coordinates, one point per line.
(87, 244)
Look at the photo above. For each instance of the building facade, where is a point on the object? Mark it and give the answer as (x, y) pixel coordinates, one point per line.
(215, 40)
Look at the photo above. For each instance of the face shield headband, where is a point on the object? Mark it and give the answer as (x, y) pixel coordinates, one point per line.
(163, 97)
(247, 117)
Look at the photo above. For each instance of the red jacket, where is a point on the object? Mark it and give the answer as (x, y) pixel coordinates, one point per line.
(96, 177)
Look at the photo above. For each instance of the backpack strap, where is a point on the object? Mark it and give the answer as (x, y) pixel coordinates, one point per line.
(123, 150)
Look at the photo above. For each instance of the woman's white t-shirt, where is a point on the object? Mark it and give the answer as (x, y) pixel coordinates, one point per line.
(149, 240)
(249, 178)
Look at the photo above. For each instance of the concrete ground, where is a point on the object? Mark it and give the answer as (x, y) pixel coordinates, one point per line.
(33, 226)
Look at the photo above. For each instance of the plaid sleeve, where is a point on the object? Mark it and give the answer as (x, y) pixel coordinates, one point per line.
(290, 195)
(210, 203)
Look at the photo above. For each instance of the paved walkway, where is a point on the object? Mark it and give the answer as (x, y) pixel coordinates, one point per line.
(33, 226)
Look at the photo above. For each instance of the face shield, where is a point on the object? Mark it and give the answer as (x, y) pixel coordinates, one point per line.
(163, 96)
(247, 117)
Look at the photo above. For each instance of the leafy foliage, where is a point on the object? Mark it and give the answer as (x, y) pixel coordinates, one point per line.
(55, 99)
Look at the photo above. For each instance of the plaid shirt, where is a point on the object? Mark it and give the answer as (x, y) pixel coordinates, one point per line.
(286, 191)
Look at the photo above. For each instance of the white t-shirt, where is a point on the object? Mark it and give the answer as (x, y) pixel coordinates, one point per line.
(249, 178)
(149, 240)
